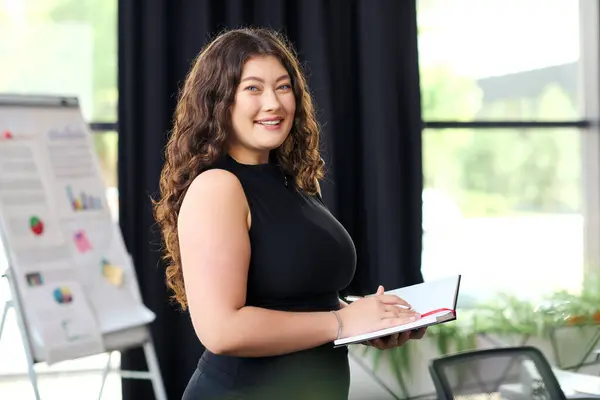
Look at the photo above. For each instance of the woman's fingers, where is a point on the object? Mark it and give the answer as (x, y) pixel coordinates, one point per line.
(392, 299)
(391, 341)
(403, 338)
(389, 320)
(397, 310)
(389, 314)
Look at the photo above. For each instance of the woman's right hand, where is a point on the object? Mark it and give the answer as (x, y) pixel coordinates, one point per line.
(374, 313)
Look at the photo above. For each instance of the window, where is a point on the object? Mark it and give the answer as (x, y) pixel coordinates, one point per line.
(503, 207)
(499, 60)
(502, 148)
(61, 47)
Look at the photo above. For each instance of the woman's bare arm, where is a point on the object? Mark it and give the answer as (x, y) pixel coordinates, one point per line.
(215, 251)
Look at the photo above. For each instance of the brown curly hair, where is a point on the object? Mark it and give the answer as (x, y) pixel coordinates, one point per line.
(202, 123)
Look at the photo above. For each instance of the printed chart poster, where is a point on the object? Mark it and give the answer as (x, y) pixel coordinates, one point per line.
(78, 187)
(31, 227)
(89, 239)
(75, 277)
(59, 316)
(115, 294)
(62, 319)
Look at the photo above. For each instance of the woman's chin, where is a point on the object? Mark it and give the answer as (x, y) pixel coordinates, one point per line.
(270, 143)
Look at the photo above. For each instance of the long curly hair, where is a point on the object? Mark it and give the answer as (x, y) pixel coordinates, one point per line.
(202, 124)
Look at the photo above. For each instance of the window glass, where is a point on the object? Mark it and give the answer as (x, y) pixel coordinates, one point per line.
(499, 59)
(61, 47)
(503, 207)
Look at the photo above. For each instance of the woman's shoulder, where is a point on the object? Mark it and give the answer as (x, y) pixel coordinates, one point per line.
(215, 179)
(216, 187)
(218, 170)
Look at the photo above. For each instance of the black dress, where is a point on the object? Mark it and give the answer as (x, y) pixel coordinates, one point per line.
(301, 257)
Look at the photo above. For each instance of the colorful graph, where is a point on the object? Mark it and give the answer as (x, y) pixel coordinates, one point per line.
(112, 273)
(81, 241)
(84, 201)
(36, 225)
(34, 279)
(63, 295)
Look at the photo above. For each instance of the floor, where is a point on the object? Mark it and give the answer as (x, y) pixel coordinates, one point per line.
(81, 379)
(86, 385)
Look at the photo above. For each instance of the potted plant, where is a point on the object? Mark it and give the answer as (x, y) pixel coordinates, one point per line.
(505, 315)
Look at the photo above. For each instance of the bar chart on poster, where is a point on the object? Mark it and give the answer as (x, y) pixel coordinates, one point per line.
(72, 279)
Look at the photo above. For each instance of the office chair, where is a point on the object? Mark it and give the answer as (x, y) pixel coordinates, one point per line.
(510, 373)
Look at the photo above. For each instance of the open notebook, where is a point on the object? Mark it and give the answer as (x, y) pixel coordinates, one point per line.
(435, 300)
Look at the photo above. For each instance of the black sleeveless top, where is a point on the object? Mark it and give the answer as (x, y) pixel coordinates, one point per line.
(301, 257)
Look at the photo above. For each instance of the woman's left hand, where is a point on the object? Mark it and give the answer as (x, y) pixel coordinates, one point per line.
(418, 333)
(396, 339)
(390, 341)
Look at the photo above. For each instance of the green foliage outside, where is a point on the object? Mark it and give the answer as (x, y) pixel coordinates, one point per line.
(65, 47)
(500, 172)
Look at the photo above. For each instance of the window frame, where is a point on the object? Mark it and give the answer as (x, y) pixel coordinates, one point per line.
(101, 127)
(589, 20)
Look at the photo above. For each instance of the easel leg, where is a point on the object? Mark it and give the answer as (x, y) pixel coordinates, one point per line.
(104, 375)
(28, 355)
(7, 305)
(154, 369)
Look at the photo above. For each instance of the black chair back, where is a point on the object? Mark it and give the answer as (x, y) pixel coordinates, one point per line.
(509, 373)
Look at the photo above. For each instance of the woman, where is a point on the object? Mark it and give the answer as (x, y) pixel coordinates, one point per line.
(253, 251)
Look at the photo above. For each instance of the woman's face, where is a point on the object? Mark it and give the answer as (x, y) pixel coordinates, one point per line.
(263, 110)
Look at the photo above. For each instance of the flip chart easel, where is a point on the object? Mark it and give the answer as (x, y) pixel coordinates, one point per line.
(126, 340)
(123, 334)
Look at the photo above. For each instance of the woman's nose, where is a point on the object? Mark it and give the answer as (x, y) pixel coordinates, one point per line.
(271, 101)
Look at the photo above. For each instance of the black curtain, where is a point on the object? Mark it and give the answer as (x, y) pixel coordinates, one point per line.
(362, 64)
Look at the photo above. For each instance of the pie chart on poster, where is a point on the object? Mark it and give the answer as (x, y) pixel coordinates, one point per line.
(63, 295)
(36, 225)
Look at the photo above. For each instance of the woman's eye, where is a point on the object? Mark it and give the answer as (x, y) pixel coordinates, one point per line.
(285, 87)
(252, 88)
